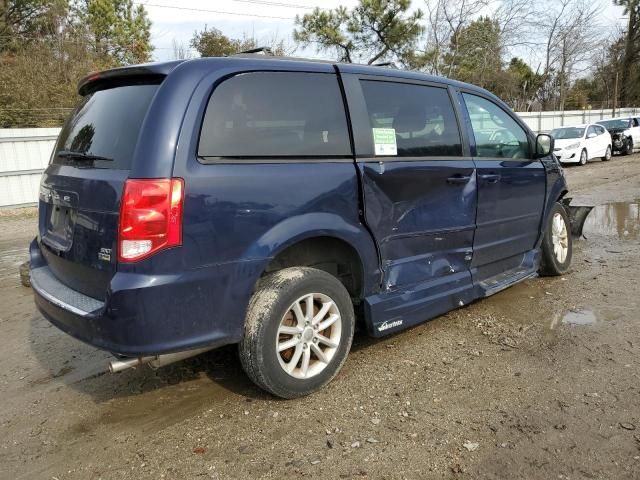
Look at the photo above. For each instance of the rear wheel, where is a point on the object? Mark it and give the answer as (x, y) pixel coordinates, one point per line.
(583, 157)
(607, 154)
(557, 246)
(298, 331)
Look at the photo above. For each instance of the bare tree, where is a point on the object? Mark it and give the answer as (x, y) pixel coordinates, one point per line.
(517, 21)
(569, 31)
(576, 41)
(180, 50)
(446, 19)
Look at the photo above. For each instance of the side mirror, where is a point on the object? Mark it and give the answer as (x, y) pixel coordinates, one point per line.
(544, 145)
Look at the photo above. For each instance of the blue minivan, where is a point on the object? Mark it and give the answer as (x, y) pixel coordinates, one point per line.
(276, 203)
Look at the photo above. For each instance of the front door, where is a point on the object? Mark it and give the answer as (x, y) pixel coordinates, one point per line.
(419, 187)
(511, 190)
(596, 143)
(603, 139)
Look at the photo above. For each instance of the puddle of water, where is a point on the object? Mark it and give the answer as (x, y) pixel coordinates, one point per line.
(621, 219)
(579, 317)
(572, 317)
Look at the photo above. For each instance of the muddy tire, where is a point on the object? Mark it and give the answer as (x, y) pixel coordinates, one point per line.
(298, 331)
(557, 246)
(25, 275)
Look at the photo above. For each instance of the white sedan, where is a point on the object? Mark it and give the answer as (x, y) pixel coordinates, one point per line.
(581, 143)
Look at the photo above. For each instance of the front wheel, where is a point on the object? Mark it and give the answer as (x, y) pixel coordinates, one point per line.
(557, 246)
(298, 331)
(628, 147)
(583, 157)
(607, 154)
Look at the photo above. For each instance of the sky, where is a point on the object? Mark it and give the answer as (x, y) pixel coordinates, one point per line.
(261, 19)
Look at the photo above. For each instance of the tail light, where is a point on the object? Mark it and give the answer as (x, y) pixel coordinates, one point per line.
(150, 217)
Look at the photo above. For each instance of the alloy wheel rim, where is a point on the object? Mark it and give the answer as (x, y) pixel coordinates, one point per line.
(559, 238)
(583, 157)
(608, 154)
(309, 335)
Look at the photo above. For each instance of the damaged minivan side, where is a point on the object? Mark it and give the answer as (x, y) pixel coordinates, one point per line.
(274, 203)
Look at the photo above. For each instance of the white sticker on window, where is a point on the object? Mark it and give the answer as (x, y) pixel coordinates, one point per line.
(384, 141)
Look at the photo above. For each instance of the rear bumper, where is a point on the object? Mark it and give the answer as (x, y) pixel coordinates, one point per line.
(149, 315)
(49, 288)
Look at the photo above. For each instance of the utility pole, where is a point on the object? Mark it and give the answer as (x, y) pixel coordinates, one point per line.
(630, 48)
(615, 95)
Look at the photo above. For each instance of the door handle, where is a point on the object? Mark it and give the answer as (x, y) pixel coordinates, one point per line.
(458, 179)
(491, 177)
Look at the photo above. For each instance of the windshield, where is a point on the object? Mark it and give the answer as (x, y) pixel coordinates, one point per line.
(106, 124)
(616, 123)
(566, 133)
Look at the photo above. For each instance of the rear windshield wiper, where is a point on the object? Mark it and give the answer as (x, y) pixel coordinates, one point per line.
(81, 156)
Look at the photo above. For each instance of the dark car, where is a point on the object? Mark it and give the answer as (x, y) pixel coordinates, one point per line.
(625, 134)
(271, 202)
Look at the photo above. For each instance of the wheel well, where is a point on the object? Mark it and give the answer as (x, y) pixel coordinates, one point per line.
(562, 195)
(330, 254)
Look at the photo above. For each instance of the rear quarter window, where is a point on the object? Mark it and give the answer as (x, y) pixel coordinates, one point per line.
(275, 115)
(107, 124)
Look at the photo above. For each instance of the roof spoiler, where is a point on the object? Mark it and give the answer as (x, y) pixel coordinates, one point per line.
(386, 64)
(263, 50)
(150, 72)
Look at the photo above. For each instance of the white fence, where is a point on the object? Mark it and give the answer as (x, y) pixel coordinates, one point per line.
(547, 121)
(25, 152)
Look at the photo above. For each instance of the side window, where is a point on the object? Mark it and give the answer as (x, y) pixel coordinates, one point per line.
(600, 130)
(422, 117)
(275, 114)
(497, 135)
(591, 130)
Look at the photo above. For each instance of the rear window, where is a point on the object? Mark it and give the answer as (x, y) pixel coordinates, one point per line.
(422, 117)
(275, 114)
(106, 124)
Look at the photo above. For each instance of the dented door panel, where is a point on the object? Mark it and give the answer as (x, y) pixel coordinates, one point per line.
(422, 214)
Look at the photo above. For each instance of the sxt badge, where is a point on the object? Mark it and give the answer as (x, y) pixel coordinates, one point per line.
(105, 254)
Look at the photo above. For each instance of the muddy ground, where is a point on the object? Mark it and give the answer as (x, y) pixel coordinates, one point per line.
(540, 381)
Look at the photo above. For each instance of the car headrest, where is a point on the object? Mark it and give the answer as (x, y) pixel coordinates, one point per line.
(410, 118)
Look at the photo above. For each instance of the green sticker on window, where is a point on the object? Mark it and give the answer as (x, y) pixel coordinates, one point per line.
(384, 141)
